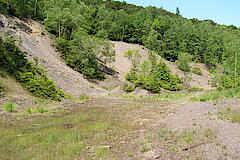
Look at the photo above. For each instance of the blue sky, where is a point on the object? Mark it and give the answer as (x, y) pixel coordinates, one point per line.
(221, 11)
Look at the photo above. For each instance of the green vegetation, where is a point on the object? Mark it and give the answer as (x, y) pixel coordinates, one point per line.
(229, 114)
(145, 149)
(151, 75)
(61, 137)
(10, 107)
(194, 89)
(34, 79)
(184, 138)
(197, 71)
(183, 61)
(81, 27)
(83, 97)
(228, 93)
(168, 96)
(129, 87)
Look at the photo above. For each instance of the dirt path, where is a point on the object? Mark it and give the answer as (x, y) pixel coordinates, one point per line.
(194, 124)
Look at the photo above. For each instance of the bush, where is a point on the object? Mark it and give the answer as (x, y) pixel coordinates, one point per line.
(197, 70)
(10, 107)
(222, 81)
(153, 76)
(227, 93)
(128, 87)
(32, 78)
(40, 109)
(194, 89)
(84, 53)
(183, 61)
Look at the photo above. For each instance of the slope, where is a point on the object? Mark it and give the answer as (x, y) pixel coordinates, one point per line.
(37, 43)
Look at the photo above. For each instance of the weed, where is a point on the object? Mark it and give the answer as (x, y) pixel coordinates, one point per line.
(40, 109)
(197, 70)
(208, 133)
(29, 110)
(101, 152)
(130, 154)
(10, 107)
(145, 149)
(172, 148)
(224, 147)
(228, 114)
(192, 89)
(83, 97)
(235, 117)
(187, 136)
(228, 93)
(149, 138)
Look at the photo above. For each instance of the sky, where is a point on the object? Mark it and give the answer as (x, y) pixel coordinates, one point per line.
(225, 12)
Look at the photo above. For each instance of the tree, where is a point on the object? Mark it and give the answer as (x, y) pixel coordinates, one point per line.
(177, 11)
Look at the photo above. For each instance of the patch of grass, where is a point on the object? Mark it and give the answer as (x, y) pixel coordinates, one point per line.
(149, 138)
(188, 136)
(130, 154)
(228, 93)
(235, 117)
(229, 114)
(209, 133)
(83, 97)
(129, 87)
(51, 139)
(29, 111)
(145, 149)
(10, 107)
(170, 96)
(101, 152)
(194, 89)
(197, 70)
(40, 109)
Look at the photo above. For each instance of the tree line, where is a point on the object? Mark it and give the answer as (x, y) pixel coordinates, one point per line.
(167, 34)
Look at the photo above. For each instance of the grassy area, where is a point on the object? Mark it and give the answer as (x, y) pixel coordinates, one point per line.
(184, 138)
(229, 114)
(228, 93)
(171, 96)
(60, 137)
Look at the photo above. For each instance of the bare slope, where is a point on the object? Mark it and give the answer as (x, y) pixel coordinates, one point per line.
(123, 65)
(37, 43)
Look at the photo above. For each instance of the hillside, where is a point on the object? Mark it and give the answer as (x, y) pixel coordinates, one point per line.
(37, 44)
(107, 80)
(41, 46)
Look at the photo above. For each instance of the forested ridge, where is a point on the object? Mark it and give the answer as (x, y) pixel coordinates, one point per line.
(81, 26)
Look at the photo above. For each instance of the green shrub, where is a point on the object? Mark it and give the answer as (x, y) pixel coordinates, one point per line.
(227, 93)
(10, 107)
(222, 81)
(160, 77)
(83, 53)
(194, 89)
(13, 61)
(197, 70)
(145, 149)
(83, 97)
(183, 61)
(128, 87)
(29, 111)
(40, 109)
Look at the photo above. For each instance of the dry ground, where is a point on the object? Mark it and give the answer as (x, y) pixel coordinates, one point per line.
(153, 129)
